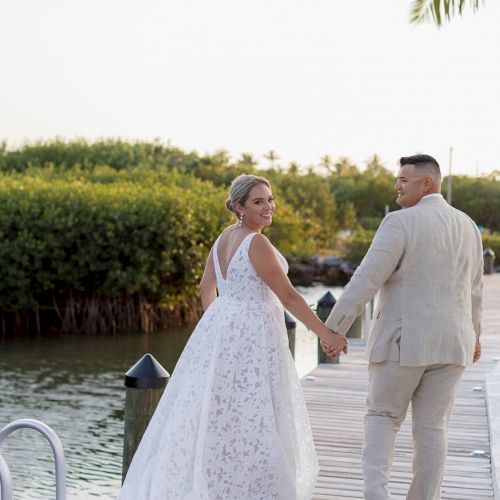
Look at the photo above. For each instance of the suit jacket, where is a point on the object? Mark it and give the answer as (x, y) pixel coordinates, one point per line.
(427, 264)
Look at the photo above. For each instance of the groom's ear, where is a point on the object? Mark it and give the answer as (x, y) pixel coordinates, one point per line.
(428, 182)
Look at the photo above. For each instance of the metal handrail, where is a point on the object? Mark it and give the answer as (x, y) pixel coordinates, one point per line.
(5, 480)
(57, 449)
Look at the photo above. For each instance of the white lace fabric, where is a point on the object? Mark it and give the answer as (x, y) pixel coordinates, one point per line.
(232, 423)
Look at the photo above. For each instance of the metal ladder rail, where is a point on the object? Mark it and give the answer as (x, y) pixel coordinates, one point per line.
(57, 449)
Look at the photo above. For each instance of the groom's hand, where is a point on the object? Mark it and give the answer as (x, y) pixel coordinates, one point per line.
(477, 352)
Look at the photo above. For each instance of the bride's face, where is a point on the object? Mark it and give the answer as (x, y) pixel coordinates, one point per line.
(259, 207)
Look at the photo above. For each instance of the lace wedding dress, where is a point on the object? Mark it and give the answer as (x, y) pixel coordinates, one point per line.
(232, 423)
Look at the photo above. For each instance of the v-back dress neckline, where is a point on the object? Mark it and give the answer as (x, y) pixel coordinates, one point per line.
(216, 254)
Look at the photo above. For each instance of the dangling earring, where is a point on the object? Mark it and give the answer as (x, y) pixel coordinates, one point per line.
(240, 220)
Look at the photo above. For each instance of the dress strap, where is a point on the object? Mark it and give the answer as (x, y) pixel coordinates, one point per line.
(247, 240)
(215, 257)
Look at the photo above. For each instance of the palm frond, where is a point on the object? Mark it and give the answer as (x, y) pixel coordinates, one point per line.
(419, 11)
(439, 10)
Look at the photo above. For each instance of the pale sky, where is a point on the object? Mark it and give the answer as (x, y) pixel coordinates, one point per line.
(304, 78)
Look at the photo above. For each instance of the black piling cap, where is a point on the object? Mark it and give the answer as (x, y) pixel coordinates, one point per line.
(289, 321)
(147, 373)
(328, 300)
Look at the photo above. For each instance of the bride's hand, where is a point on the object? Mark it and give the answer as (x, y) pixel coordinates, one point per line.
(333, 344)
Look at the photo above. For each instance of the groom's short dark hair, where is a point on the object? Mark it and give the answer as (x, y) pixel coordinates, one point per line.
(422, 162)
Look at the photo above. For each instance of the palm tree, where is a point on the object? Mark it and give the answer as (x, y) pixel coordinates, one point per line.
(375, 166)
(326, 163)
(345, 167)
(439, 10)
(293, 168)
(247, 160)
(272, 157)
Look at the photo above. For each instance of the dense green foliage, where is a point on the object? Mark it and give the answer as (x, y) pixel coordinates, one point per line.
(118, 230)
(479, 198)
(68, 241)
(104, 238)
(367, 192)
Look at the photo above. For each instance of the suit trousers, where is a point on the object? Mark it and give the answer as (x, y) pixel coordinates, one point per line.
(431, 390)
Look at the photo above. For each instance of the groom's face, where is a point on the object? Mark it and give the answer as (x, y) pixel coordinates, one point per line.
(410, 185)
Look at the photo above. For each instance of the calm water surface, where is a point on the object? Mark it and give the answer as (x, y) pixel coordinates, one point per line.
(75, 385)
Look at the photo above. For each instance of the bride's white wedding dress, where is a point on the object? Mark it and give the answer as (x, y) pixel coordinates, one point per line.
(232, 423)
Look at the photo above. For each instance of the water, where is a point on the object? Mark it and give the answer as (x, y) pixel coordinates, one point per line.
(75, 385)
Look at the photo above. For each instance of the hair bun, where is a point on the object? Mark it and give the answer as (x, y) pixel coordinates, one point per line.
(229, 205)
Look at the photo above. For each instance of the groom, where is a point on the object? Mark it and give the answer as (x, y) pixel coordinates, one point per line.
(426, 263)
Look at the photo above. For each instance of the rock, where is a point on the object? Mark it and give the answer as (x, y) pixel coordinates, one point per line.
(302, 273)
(327, 270)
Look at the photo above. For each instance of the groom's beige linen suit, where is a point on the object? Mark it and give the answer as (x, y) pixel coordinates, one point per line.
(426, 263)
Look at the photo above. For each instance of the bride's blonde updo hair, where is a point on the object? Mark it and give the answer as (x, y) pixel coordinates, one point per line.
(240, 189)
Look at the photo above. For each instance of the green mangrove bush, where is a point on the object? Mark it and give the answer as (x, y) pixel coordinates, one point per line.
(91, 257)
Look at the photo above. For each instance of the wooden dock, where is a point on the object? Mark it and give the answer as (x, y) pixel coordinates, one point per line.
(335, 396)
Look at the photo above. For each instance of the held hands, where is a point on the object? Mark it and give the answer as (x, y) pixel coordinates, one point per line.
(335, 344)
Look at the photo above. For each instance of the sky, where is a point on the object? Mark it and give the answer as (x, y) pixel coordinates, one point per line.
(302, 78)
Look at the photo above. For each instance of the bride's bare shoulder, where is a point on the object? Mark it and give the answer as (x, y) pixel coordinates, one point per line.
(260, 245)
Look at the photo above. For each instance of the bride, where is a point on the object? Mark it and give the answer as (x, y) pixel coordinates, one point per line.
(232, 423)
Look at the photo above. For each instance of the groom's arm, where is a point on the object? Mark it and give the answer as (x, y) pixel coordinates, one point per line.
(477, 298)
(380, 262)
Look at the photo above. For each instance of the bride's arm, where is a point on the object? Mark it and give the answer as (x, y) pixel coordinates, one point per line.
(208, 283)
(265, 262)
